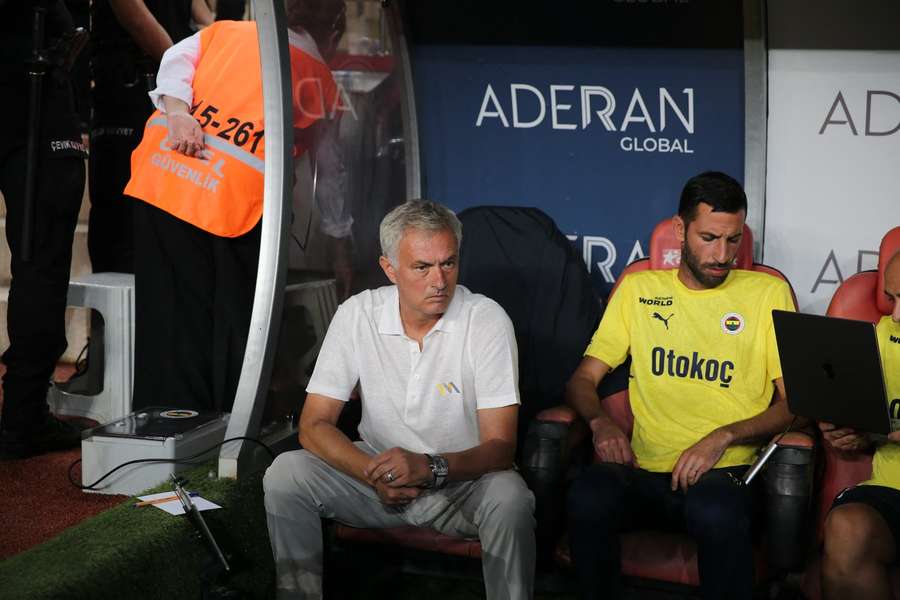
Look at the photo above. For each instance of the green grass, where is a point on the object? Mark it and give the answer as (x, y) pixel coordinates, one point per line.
(146, 553)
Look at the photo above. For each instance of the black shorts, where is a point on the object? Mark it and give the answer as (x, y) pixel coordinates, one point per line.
(883, 499)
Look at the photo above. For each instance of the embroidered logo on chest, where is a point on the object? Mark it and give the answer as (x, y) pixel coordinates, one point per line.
(447, 388)
(733, 323)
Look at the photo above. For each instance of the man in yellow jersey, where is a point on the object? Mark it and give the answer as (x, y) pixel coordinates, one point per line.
(863, 527)
(704, 368)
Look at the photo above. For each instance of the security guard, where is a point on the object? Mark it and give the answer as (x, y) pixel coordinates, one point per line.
(37, 294)
(198, 178)
(128, 38)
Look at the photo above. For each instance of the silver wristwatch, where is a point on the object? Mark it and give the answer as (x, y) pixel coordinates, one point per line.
(439, 470)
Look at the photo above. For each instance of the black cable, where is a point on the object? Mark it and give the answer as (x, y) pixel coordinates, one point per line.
(299, 245)
(81, 366)
(787, 429)
(767, 451)
(303, 245)
(175, 461)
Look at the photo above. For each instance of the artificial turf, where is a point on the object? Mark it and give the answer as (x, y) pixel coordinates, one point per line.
(139, 553)
(135, 553)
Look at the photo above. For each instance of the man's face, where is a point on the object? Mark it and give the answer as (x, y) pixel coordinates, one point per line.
(892, 286)
(425, 273)
(709, 244)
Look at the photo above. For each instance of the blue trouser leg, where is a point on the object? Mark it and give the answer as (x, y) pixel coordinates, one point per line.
(719, 515)
(606, 500)
(609, 499)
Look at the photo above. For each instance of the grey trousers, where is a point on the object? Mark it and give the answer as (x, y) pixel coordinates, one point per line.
(301, 489)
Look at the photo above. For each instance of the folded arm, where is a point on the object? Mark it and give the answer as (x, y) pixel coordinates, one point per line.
(496, 452)
(319, 434)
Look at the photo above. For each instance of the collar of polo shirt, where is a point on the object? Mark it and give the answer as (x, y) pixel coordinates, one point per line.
(389, 322)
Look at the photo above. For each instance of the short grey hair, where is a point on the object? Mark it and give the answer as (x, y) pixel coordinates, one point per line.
(423, 215)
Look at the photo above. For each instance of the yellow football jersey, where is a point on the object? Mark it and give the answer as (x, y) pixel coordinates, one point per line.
(701, 359)
(886, 462)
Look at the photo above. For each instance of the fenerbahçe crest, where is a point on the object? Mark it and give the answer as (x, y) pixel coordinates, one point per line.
(732, 323)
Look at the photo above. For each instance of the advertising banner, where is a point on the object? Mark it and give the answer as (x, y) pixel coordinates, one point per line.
(601, 139)
(833, 172)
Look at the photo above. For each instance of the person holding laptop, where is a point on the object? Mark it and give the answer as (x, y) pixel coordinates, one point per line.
(704, 368)
(862, 529)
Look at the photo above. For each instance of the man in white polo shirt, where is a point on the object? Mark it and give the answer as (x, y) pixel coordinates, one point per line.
(437, 371)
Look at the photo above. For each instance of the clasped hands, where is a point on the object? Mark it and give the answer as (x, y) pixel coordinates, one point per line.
(612, 445)
(398, 475)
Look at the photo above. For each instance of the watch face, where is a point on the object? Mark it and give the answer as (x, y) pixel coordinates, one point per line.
(440, 466)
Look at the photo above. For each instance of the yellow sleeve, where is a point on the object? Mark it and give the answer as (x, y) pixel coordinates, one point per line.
(781, 299)
(881, 336)
(890, 356)
(612, 340)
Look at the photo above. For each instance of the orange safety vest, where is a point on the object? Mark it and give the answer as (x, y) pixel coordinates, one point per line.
(222, 192)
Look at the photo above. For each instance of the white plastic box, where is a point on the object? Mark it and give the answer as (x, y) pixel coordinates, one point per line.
(154, 433)
(111, 295)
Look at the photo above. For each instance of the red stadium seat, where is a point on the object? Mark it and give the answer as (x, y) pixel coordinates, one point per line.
(860, 297)
(671, 557)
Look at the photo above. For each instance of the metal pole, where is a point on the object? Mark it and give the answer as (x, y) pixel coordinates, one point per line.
(408, 105)
(37, 68)
(265, 319)
(755, 120)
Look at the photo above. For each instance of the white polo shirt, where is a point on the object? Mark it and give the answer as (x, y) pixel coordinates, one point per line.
(422, 401)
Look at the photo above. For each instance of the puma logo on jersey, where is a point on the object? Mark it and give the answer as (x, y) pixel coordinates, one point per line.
(691, 367)
(665, 320)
